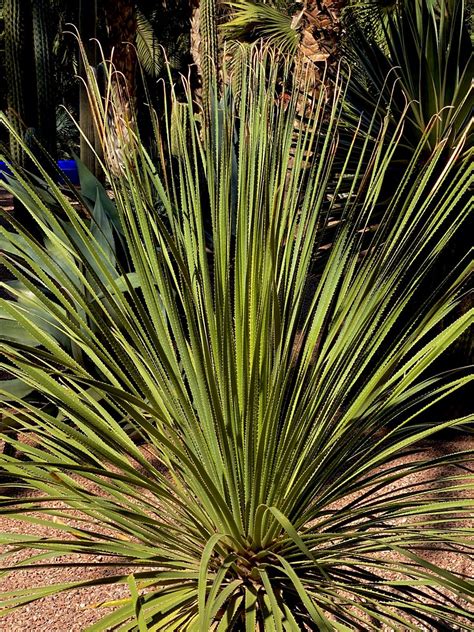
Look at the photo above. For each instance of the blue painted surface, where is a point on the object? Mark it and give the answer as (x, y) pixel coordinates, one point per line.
(68, 167)
(4, 169)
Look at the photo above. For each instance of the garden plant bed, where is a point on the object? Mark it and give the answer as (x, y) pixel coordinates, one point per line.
(235, 350)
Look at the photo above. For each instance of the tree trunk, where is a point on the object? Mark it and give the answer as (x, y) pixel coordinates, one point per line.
(122, 29)
(89, 144)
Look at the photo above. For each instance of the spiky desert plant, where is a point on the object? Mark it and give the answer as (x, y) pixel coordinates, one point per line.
(276, 397)
(205, 52)
(42, 20)
(426, 47)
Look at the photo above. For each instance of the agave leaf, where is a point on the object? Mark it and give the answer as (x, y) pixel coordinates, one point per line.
(101, 229)
(40, 316)
(15, 388)
(13, 331)
(93, 190)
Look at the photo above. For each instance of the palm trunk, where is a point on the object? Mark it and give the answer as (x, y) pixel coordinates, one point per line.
(122, 28)
(87, 30)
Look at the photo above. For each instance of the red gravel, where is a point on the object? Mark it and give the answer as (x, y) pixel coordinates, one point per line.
(74, 611)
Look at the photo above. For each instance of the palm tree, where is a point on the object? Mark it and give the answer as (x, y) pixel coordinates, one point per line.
(309, 32)
(121, 25)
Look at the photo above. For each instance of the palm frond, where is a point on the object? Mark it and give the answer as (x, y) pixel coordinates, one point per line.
(149, 51)
(269, 21)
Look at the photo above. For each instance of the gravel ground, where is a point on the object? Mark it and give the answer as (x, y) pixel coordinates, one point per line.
(74, 611)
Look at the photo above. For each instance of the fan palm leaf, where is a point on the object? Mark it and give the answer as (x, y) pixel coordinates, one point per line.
(270, 21)
(275, 400)
(149, 51)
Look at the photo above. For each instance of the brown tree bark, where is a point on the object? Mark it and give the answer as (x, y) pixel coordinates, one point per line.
(121, 25)
(88, 32)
